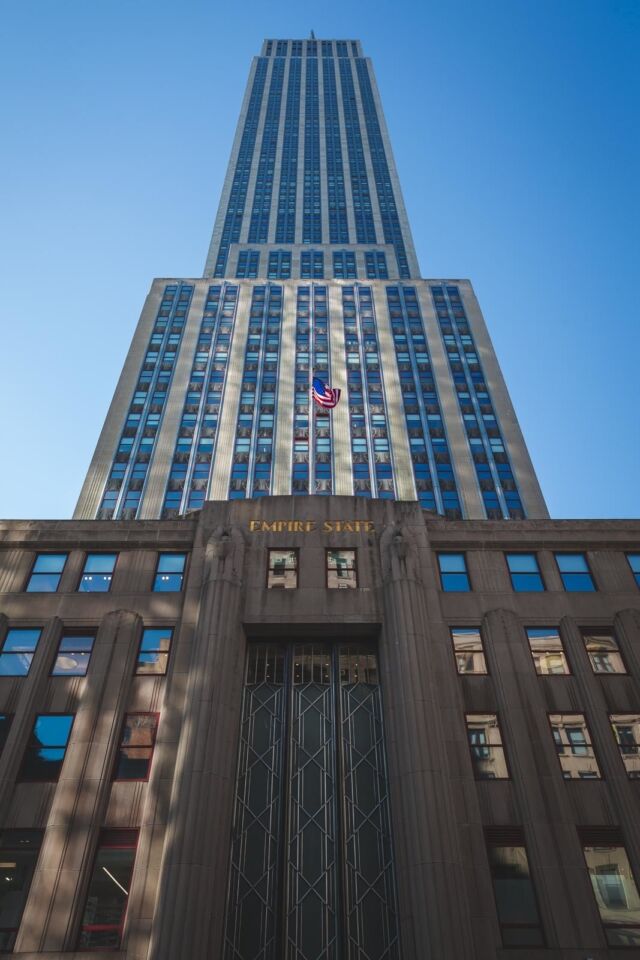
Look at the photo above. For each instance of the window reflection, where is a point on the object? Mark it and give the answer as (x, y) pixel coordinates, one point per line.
(153, 655)
(468, 651)
(47, 746)
(74, 653)
(515, 897)
(485, 743)
(603, 650)
(17, 651)
(46, 572)
(108, 892)
(626, 729)
(574, 747)
(97, 573)
(547, 651)
(19, 851)
(616, 893)
(282, 571)
(341, 569)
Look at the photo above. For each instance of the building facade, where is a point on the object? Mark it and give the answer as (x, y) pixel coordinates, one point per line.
(320, 727)
(311, 271)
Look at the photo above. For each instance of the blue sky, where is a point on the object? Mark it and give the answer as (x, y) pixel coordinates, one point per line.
(515, 130)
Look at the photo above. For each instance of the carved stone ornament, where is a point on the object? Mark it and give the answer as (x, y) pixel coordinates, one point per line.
(225, 553)
(399, 553)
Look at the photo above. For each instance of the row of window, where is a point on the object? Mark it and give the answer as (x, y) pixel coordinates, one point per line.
(310, 47)
(74, 651)
(340, 569)
(572, 739)
(312, 265)
(525, 573)
(98, 570)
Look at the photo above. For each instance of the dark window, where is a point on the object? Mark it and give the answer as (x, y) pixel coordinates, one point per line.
(47, 746)
(136, 746)
(575, 573)
(547, 650)
(341, 569)
(525, 573)
(615, 890)
(626, 729)
(17, 651)
(97, 573)
(485, 743)
(153, 654)
(46, 572)
(604, 652)
(19, 851)
(453, 572)
(74, 653)
(634, 563)
(5, 726)
(108, 892)
(467, 649)
(515, 897)
(282, 570)
(169, 572)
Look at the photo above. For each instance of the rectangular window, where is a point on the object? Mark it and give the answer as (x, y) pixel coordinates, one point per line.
(604, 652)
(341, 569)
(574, 747)
(153, 655)
(525, 573)
(485, 743)
(468, 650)
(453, 572)
(626, 729)
(575, 573)
(108, 892)
(282, 570)
(169, 572)
(136, 746)
(74, 653)
(547, 651)
(46, 572)
(17, 651)
(616, 892)
(634, 562)
(19, 851)
(515, 897)
(97, 573)
(47, 746)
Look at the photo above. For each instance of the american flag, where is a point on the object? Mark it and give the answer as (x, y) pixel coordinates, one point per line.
(323, 394)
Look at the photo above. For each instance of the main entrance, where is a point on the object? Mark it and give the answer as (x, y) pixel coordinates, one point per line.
(311, 873)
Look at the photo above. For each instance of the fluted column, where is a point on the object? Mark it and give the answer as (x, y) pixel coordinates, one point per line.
(55, 903)
(189, 915)
(427, 855)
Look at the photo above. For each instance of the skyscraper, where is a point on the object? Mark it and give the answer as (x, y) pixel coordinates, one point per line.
(311, 271)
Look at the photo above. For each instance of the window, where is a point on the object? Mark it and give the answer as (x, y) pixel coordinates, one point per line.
(5, 726)
(108, 892)
(17, 651)
(603, 650)
(573, 746)
(19, 851)
(97, 573)
(283, 569)
(547, 651)
(634, 563)
(169, 572)
(575, 573)
(453, 572)
(45, 751)
(615, 890)
(136, 746)
(626, 729)
(46, 572)
(515, 897)
(525, 573)
(153, 654)
(467, 649)
(341, 569)
(74, 653)
(485, 743)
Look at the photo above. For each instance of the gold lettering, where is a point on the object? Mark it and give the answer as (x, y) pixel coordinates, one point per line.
(369, 526)
(327, 526)
(348, 525)
(269, 527)
(254, 525)
(298, 526)
(309, 526)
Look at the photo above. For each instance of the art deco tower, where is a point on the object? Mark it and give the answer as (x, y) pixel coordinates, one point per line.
(311, 270)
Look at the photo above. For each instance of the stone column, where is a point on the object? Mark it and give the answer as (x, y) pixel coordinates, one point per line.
(543, 806)
(427, 854)
(189, 915)
(55, 904)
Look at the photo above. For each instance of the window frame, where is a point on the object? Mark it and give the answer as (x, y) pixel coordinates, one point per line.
(490, 842)
(568, 746)
(607, 841)
(69, 635)
(634, 752)
(143, 673)
(327, 551)
(524, 553)
(121, 745)
(602, 631)
(588, 572)
(270, 550)
(454, 553)
(464, 673)
(569, 671)
(46, 553)
(98, 553)
(489, 747)
(4, 652)
(101, 844)
(20, 778)
(156, 573)
(635, 575)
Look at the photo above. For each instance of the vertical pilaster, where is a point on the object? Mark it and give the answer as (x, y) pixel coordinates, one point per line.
(255, 160)
(342, 461)
(282, 453)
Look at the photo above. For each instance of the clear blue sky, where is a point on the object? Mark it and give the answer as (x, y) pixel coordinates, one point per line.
(515, 129)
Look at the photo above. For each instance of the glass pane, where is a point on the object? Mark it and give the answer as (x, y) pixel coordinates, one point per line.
(171, 562)
(574, 747)
(522, 563)
(94, 583)
(341, 572)
(52, 730)
(527, 582)
(71, 664)
(107, 899)
(156, 638)
(452, 562)
(43, 583)
(547, 651)
(452, 582)
(139, 729)
(282, 571)
(133, 763)
(604, 653)
(467, 645)
(616, 893)
(19, 640)
(626, 729)
(572, 563)
(485, 742)
(167, 583)
(49, 563)
(15, 664)
(100, 563)
(515, 898)
(18, 855)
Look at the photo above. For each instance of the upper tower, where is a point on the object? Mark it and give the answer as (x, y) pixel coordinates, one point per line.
(311, 188)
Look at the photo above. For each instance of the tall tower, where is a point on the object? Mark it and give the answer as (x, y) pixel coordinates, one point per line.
(311, 271)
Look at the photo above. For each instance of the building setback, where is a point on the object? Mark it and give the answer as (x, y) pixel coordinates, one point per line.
(342, 730)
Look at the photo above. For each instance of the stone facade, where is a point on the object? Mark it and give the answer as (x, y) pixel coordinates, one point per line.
(440, 814)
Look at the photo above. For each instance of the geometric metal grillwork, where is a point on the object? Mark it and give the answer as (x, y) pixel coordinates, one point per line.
(311, 873)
